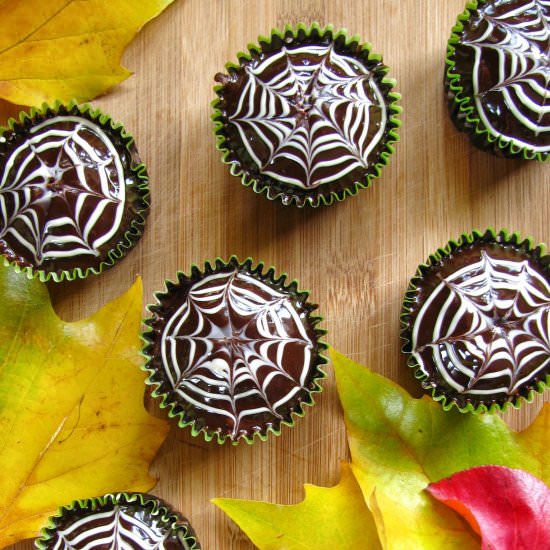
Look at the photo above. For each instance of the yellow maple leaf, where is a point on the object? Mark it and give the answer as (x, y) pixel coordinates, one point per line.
(67, 49)
(399, 445)
(327, 518)
(72, 420)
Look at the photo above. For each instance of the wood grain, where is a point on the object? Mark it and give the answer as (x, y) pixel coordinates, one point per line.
(355, 257)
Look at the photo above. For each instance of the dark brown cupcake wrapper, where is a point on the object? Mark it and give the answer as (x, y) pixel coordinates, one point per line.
(148, 505)
(137, 171)
(466, 240)
(162, 389)
(324, 194)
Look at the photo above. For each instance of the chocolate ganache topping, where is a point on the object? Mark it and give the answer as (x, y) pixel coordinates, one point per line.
(67, 193)
(503, 59)
(307, 114)
(235, 352)
(480, 327)
(120, 522)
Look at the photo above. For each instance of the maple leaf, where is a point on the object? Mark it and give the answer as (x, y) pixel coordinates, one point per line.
(400, 444)
(336, 517)
(72, 420)
(67, 49)
(509, 508)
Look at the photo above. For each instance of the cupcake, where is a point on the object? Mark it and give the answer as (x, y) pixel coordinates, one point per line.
(476, 322)
(498, 77)
(73, 192)
(118, 521)
(233, 351)
(306, 117)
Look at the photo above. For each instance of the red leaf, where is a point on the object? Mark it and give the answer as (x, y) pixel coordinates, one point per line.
(509, 508)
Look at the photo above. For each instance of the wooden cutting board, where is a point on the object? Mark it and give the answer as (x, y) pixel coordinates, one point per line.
(355, 257)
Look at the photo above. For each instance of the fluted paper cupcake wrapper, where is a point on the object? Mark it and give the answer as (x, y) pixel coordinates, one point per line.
(324, 194)
(462, 108)
(141, 202)
(162, 389)
(149, 505)
(466, 240)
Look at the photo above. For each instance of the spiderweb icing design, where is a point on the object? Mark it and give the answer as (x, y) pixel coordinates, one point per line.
(62, 192)
(309, 116)
(485, 328)
(115, 529)
(238, 350)
(511, 70)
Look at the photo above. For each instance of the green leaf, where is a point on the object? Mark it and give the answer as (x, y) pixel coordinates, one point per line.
(400, 444)
(72, 420)
(326, 519)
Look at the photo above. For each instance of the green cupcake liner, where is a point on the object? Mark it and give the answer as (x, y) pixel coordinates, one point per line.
(15, 135)
(324, 194)
(461, 102)
(149, 507)
(537, 254)
(188, 415)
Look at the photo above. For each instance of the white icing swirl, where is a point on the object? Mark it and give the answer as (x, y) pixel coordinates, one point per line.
(115, 529)
(518, 34)
(232, 346)
(485, 328)
(316, 115)
(34, 184)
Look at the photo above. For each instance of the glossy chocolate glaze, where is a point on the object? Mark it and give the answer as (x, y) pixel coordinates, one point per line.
(503, 59)
(102, 527)
(479, 325)
(235, 351)
(68, 192)
(284, 105)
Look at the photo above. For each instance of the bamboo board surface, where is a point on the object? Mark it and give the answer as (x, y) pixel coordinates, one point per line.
(356, 257)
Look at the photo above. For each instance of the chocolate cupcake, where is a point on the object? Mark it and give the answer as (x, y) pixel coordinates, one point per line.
(73, 192)
(306, 117)
(119, 521)
(498, 76)
(476, 321)
(233, 352)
